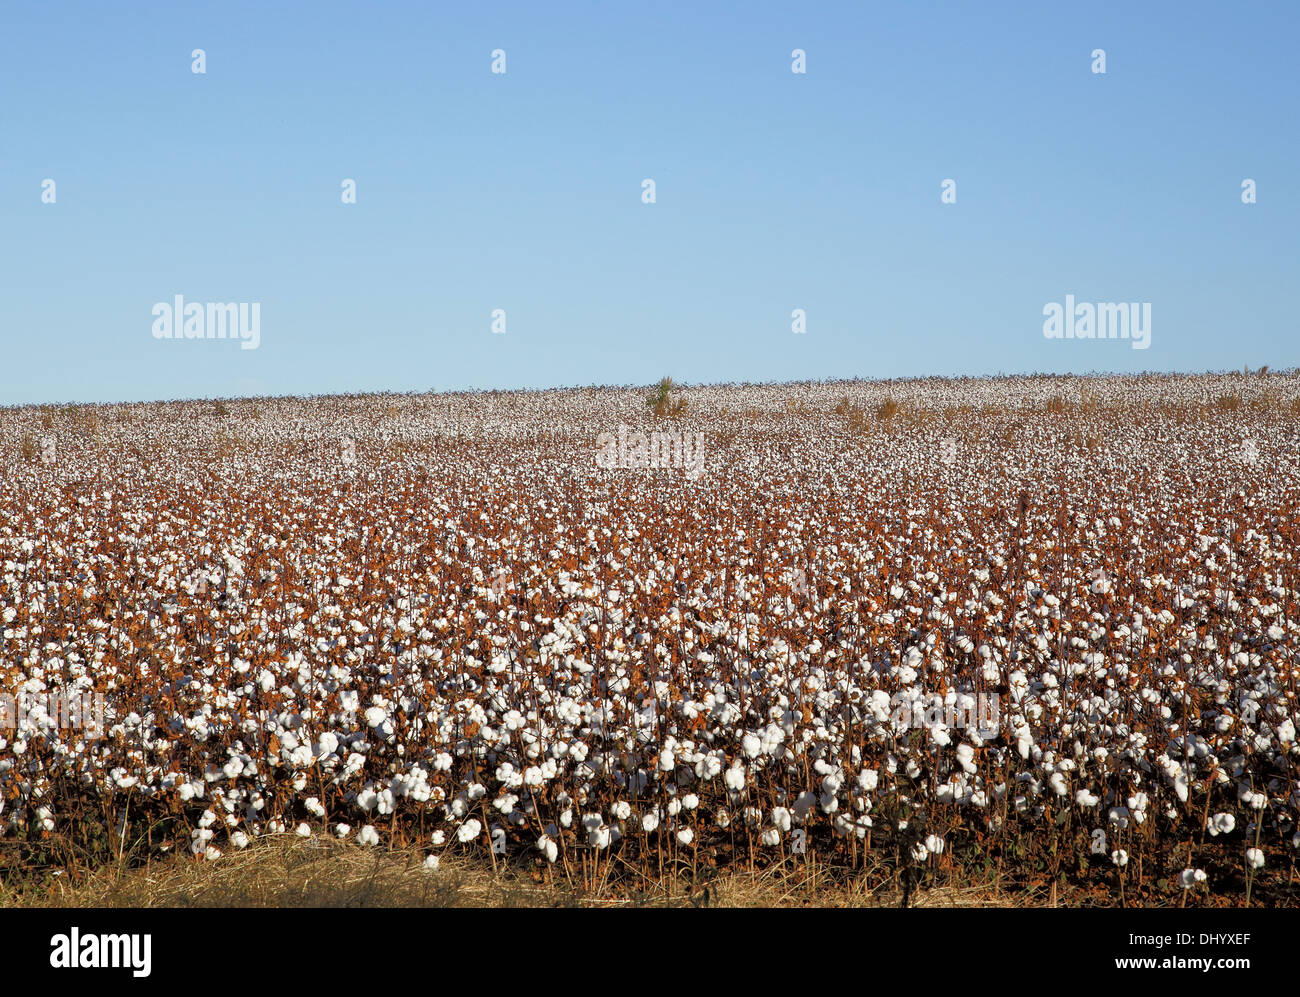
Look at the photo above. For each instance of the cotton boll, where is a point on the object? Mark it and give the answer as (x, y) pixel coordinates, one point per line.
(1255, 858)
(239, 839)
(547, 846)
(1190, 877)
(1222, 823)
(342, 830)
(966, 758)
(431, 863)
(368, 835)
(468, 831)
(934, 844)
(1119, 857)
(771, 837)
(1086, 799)
(303, 830)
(685, 836)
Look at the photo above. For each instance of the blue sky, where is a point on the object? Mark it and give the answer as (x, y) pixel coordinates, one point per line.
(775, 191)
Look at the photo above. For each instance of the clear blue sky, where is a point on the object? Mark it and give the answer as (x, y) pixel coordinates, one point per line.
(522, 191)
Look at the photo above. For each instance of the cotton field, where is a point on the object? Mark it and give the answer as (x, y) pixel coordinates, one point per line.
(1044, 626)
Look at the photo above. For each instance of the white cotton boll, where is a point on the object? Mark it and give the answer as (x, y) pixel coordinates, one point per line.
(685, 836)
(622, 810)
(368, 835)
(431, 863)
(1286, 731)
(239, 839)
(208, 819)
(649, 822)
(920, 853)
(1180, 786)
(1057, 781)
(1222, 823)
(751, 745)
(966, 758)
(598, 834)
(1255, 858)
(803, 803)
(690, 801)
(342, 830)
(1086, 799)
(709, 766)
(211, 853)
(566, 818)
(868, 779)
(1190, 877)
(771, 837)
(547, 846)
(303, 830)
(314, 806)
(781, 818)
(1119, 857)
(468, 831)
(934, 844)
(735, 778)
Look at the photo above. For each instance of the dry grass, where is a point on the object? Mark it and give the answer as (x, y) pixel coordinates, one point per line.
(290, 872)
(661, 402)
